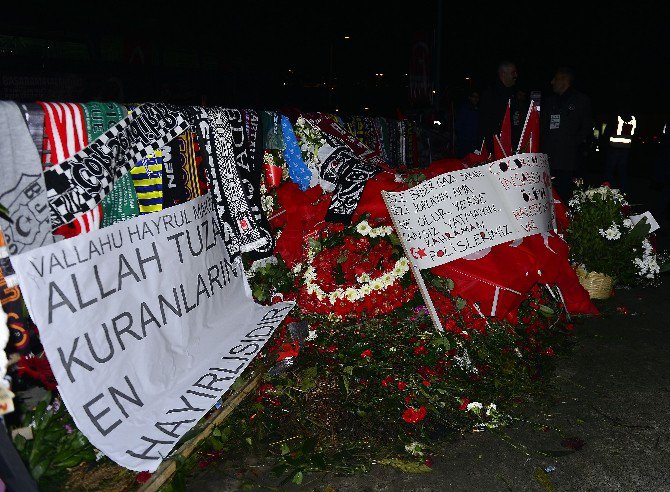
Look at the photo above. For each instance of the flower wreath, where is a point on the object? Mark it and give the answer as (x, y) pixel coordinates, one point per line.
(354, 270)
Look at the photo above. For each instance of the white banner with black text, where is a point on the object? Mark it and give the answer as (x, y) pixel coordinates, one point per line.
(146, 324)
(461, 212)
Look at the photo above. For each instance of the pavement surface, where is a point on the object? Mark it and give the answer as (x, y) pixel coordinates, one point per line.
(605, 425)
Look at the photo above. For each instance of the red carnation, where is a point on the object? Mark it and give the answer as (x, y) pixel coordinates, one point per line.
(464, 403)
(37, 368)
(402, 385)
(288, 350)
(366, 353)
(413, 416)
(142, 477)
(421, 349)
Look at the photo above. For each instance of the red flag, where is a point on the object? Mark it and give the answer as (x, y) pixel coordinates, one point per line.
(530, 136)
(498, 149)
(506, 133)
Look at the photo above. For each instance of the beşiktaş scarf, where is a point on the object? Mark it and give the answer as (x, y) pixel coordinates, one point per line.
(250, 167)
(298, 171)
(22, 188)
(226, 143)
(78, 184)
(65, 134)
(340, 165)
(121, 202)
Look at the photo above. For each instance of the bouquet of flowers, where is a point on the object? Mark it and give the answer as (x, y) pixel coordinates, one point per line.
(605, 238)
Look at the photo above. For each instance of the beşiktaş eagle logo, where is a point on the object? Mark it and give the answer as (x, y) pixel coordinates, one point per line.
(30, 215)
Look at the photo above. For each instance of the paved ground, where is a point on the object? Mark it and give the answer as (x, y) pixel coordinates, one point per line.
(608, 418)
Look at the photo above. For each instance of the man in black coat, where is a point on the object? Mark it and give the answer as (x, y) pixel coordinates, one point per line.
(567, 123)
(493, 105)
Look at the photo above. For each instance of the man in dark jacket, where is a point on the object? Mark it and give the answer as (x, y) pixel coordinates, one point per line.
(494, 104)
(566, 126)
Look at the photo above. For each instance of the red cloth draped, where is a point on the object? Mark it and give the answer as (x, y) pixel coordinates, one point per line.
(498, 281)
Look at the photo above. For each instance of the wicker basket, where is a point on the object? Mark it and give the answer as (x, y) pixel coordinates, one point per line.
(598, 285)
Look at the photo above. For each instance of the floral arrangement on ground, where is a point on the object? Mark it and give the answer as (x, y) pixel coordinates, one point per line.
(604, 237)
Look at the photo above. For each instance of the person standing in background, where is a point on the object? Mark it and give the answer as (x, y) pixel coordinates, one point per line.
(494, 104)
(466, 123)
(566, 122)
(619, 139)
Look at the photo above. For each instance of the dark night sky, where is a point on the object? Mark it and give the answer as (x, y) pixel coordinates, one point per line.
(619, 51)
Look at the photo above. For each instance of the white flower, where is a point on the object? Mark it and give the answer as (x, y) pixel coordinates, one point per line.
(363, 277)
(376, 284)
(267, 203)
(363, 228)
(611, 233)
(491, 409)
(296, 268)
(311, 335)
(351, 294)
(628, 224)
(414, 449)
(310, 273)
(475, 407)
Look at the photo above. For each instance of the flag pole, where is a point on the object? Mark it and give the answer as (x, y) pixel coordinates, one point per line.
(416, 271)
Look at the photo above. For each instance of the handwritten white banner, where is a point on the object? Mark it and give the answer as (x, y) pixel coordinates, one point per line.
(146, 324)
(458, 213)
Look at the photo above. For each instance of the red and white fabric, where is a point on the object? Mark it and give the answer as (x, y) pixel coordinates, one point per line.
(64, 135)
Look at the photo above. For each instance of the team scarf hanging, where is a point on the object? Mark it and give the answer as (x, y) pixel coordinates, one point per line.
(273, 138)
(298, 171)
(78, 184)
(22, 188)
(34, 116)
(224, 181)
(147, 176)
(121, 202)
(183, 169)
(339, 165)
(23, 337)
(65, 134)
(330, 126)
(250, 167)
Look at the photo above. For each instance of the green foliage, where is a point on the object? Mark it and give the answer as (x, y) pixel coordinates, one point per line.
(271, 278)
(57, 444)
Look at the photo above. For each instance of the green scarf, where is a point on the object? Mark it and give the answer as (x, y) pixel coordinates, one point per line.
(121, 202)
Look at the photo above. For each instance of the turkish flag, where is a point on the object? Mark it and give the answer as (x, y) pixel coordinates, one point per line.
(530, 136)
